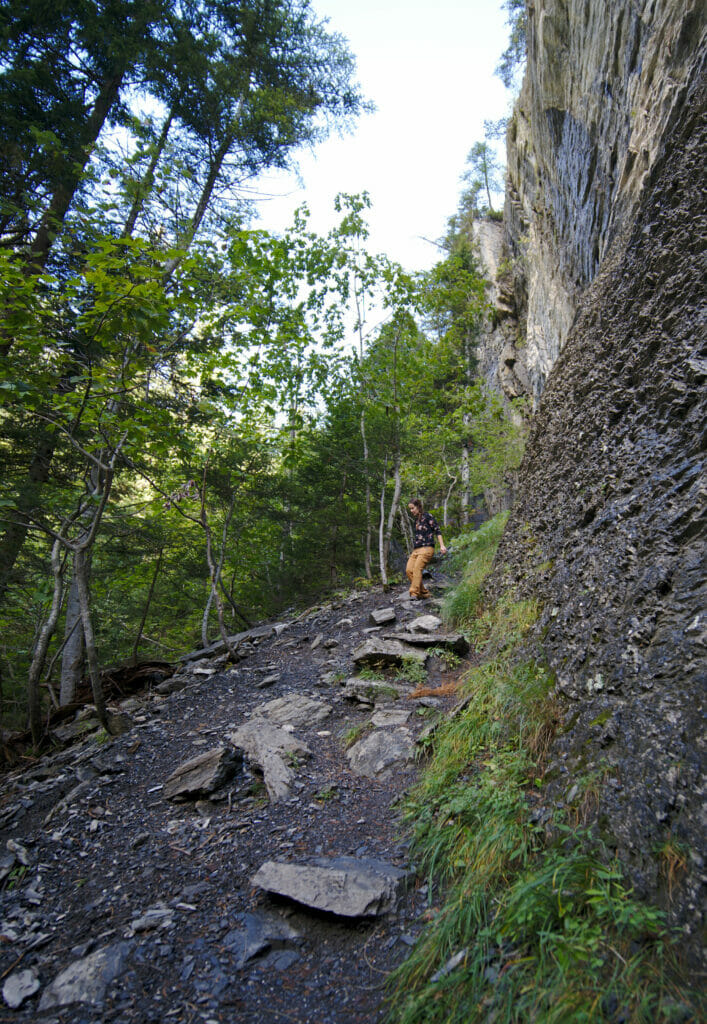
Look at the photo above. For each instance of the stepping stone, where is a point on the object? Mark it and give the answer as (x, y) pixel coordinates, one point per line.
(455, 642)
(425, 624)
(381, 616)
(375, 651)
(18, 987)
(346, 886)
(203, 774)
(369, 691)
(374, 754)
(294, 709)
(388, 718)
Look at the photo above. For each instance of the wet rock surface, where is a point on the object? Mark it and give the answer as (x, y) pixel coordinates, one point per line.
(610, 531)
(121, 900)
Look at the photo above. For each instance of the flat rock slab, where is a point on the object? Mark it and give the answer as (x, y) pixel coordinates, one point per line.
(86, 981)
(376, 651)
(369, 691)
(203, 774)
(380, 750)
(271, 749)
(387, 718)
(345, 886)
(425, 624)
(455, 642)
(294, 709)
(381, 616)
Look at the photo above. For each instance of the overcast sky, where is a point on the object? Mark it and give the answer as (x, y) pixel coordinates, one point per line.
(428, 67)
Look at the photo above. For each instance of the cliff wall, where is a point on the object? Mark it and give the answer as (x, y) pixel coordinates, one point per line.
(603, 83)
(608, 186)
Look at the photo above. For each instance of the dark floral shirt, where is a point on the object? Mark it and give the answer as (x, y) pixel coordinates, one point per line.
(426, 529)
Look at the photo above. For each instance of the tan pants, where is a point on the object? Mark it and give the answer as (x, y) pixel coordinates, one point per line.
(416, 563)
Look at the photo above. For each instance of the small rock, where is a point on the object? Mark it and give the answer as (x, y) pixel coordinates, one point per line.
(381, 616)
(18, 987)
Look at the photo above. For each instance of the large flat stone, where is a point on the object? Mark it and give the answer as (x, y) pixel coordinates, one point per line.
(294, 709)
(345, 886)
(375, 651)
(455, 642)
(203, 774)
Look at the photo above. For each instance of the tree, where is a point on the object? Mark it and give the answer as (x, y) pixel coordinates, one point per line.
(514, 56)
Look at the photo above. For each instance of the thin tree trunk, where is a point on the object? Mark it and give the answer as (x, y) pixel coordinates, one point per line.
(215, 572)
(148, 602)
(367, 550)
(382, 554)
(73, 658)
(145, 185)
(40, 650)
(465, 495)
(81, 575)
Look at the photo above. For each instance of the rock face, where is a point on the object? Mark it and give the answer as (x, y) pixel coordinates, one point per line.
(604, 85)
(609, 530)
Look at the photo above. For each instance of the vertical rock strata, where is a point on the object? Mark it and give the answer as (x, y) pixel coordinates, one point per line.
(609, 531)
(603, 84)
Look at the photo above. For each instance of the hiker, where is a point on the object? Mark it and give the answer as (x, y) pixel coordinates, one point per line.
(426, 529)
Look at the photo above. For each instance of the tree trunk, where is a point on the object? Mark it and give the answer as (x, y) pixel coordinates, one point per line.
(465, 495)
(42, 645)
(55, 215)
(145, 185)
(81, 575)
(73, 658)
(367, 550)
(382, 555)
(148, 602)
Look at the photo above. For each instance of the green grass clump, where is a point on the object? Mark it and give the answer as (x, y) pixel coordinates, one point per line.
(474, 554)
(529, 922)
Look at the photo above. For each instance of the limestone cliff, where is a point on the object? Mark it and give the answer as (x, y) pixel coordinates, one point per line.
(603, 83)
(606, 221)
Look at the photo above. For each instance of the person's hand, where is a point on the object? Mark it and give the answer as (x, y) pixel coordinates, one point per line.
(443, 549)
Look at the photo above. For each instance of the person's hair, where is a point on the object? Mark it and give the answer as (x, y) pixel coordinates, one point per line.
(417, 503)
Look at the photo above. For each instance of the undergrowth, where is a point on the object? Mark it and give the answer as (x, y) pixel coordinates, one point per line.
(535, 923)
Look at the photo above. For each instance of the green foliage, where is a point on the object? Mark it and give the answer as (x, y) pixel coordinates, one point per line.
(514, 56)
(412, 671)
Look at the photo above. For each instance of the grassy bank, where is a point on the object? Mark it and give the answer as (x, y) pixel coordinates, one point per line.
(530, 919)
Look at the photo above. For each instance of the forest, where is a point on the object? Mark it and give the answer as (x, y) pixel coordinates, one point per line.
(204, 423)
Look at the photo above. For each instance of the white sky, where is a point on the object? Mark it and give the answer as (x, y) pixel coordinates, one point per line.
(428, 67)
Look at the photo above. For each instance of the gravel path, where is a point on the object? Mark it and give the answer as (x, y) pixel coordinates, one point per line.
(150, 903)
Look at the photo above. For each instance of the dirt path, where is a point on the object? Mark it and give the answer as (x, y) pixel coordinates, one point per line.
(151, 903)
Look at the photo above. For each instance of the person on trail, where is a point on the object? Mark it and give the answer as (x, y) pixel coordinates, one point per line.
(426, 529)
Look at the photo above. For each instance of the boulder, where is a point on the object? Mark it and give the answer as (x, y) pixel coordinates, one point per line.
(345, 886)
(376, 752)
(390, 717)
(203, 774)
